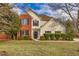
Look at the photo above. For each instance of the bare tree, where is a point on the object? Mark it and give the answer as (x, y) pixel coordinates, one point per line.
(68, 8)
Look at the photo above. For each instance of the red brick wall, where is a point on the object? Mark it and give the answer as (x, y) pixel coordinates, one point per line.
(27, 26)
(3, 36)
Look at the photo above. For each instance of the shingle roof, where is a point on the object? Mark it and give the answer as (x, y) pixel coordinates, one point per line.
(44, 17)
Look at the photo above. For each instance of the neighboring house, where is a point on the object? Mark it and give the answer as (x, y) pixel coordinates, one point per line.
(3, 36)
(35, 25)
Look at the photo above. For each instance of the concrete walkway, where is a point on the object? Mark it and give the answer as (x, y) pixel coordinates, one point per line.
(76, 39)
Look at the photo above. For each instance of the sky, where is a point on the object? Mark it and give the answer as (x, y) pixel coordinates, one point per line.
(41, 8)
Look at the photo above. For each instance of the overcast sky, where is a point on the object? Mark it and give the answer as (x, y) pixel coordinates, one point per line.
(41, 8)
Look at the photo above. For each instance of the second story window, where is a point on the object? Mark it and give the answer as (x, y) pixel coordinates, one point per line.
(35, 23)
(24, 21)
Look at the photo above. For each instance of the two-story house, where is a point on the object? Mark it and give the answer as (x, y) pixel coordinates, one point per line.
(35, 25)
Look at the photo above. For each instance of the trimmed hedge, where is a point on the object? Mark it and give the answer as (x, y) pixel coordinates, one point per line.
(63, 36)
(52, 36)
(58, 36)
(24, 38)
(69, 36)
(42, 38)
(47, 36)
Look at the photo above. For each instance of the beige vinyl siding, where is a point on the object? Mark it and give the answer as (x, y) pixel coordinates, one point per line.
(52, 26)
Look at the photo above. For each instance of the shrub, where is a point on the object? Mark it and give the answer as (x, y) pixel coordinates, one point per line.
(57, 35)
(69, 36)
(52, 36)
(24, 38)
(63, 36)
(47, 36)
(42, 38)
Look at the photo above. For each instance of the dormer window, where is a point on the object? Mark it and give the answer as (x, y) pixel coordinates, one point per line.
(35, 23)
(24, 21)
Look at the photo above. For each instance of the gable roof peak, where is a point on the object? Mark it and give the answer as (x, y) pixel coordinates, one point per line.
(45, 17)
(29, 9)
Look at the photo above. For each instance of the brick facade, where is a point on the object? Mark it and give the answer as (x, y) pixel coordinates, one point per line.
(26, 27)
(3, 36)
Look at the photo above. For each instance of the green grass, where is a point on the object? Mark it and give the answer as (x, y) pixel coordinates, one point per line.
(33, 48)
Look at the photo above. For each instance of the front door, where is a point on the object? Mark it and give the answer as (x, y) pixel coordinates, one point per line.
(35, 34)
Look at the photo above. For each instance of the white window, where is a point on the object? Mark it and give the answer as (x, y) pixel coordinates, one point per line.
(35, 23)
(24, 22)
(24, 33)
(47, 31)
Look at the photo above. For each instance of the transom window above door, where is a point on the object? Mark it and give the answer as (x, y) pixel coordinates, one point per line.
(35, 23)
(24, 21)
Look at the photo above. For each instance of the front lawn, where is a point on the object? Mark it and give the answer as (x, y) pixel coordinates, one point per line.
(29, 48)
